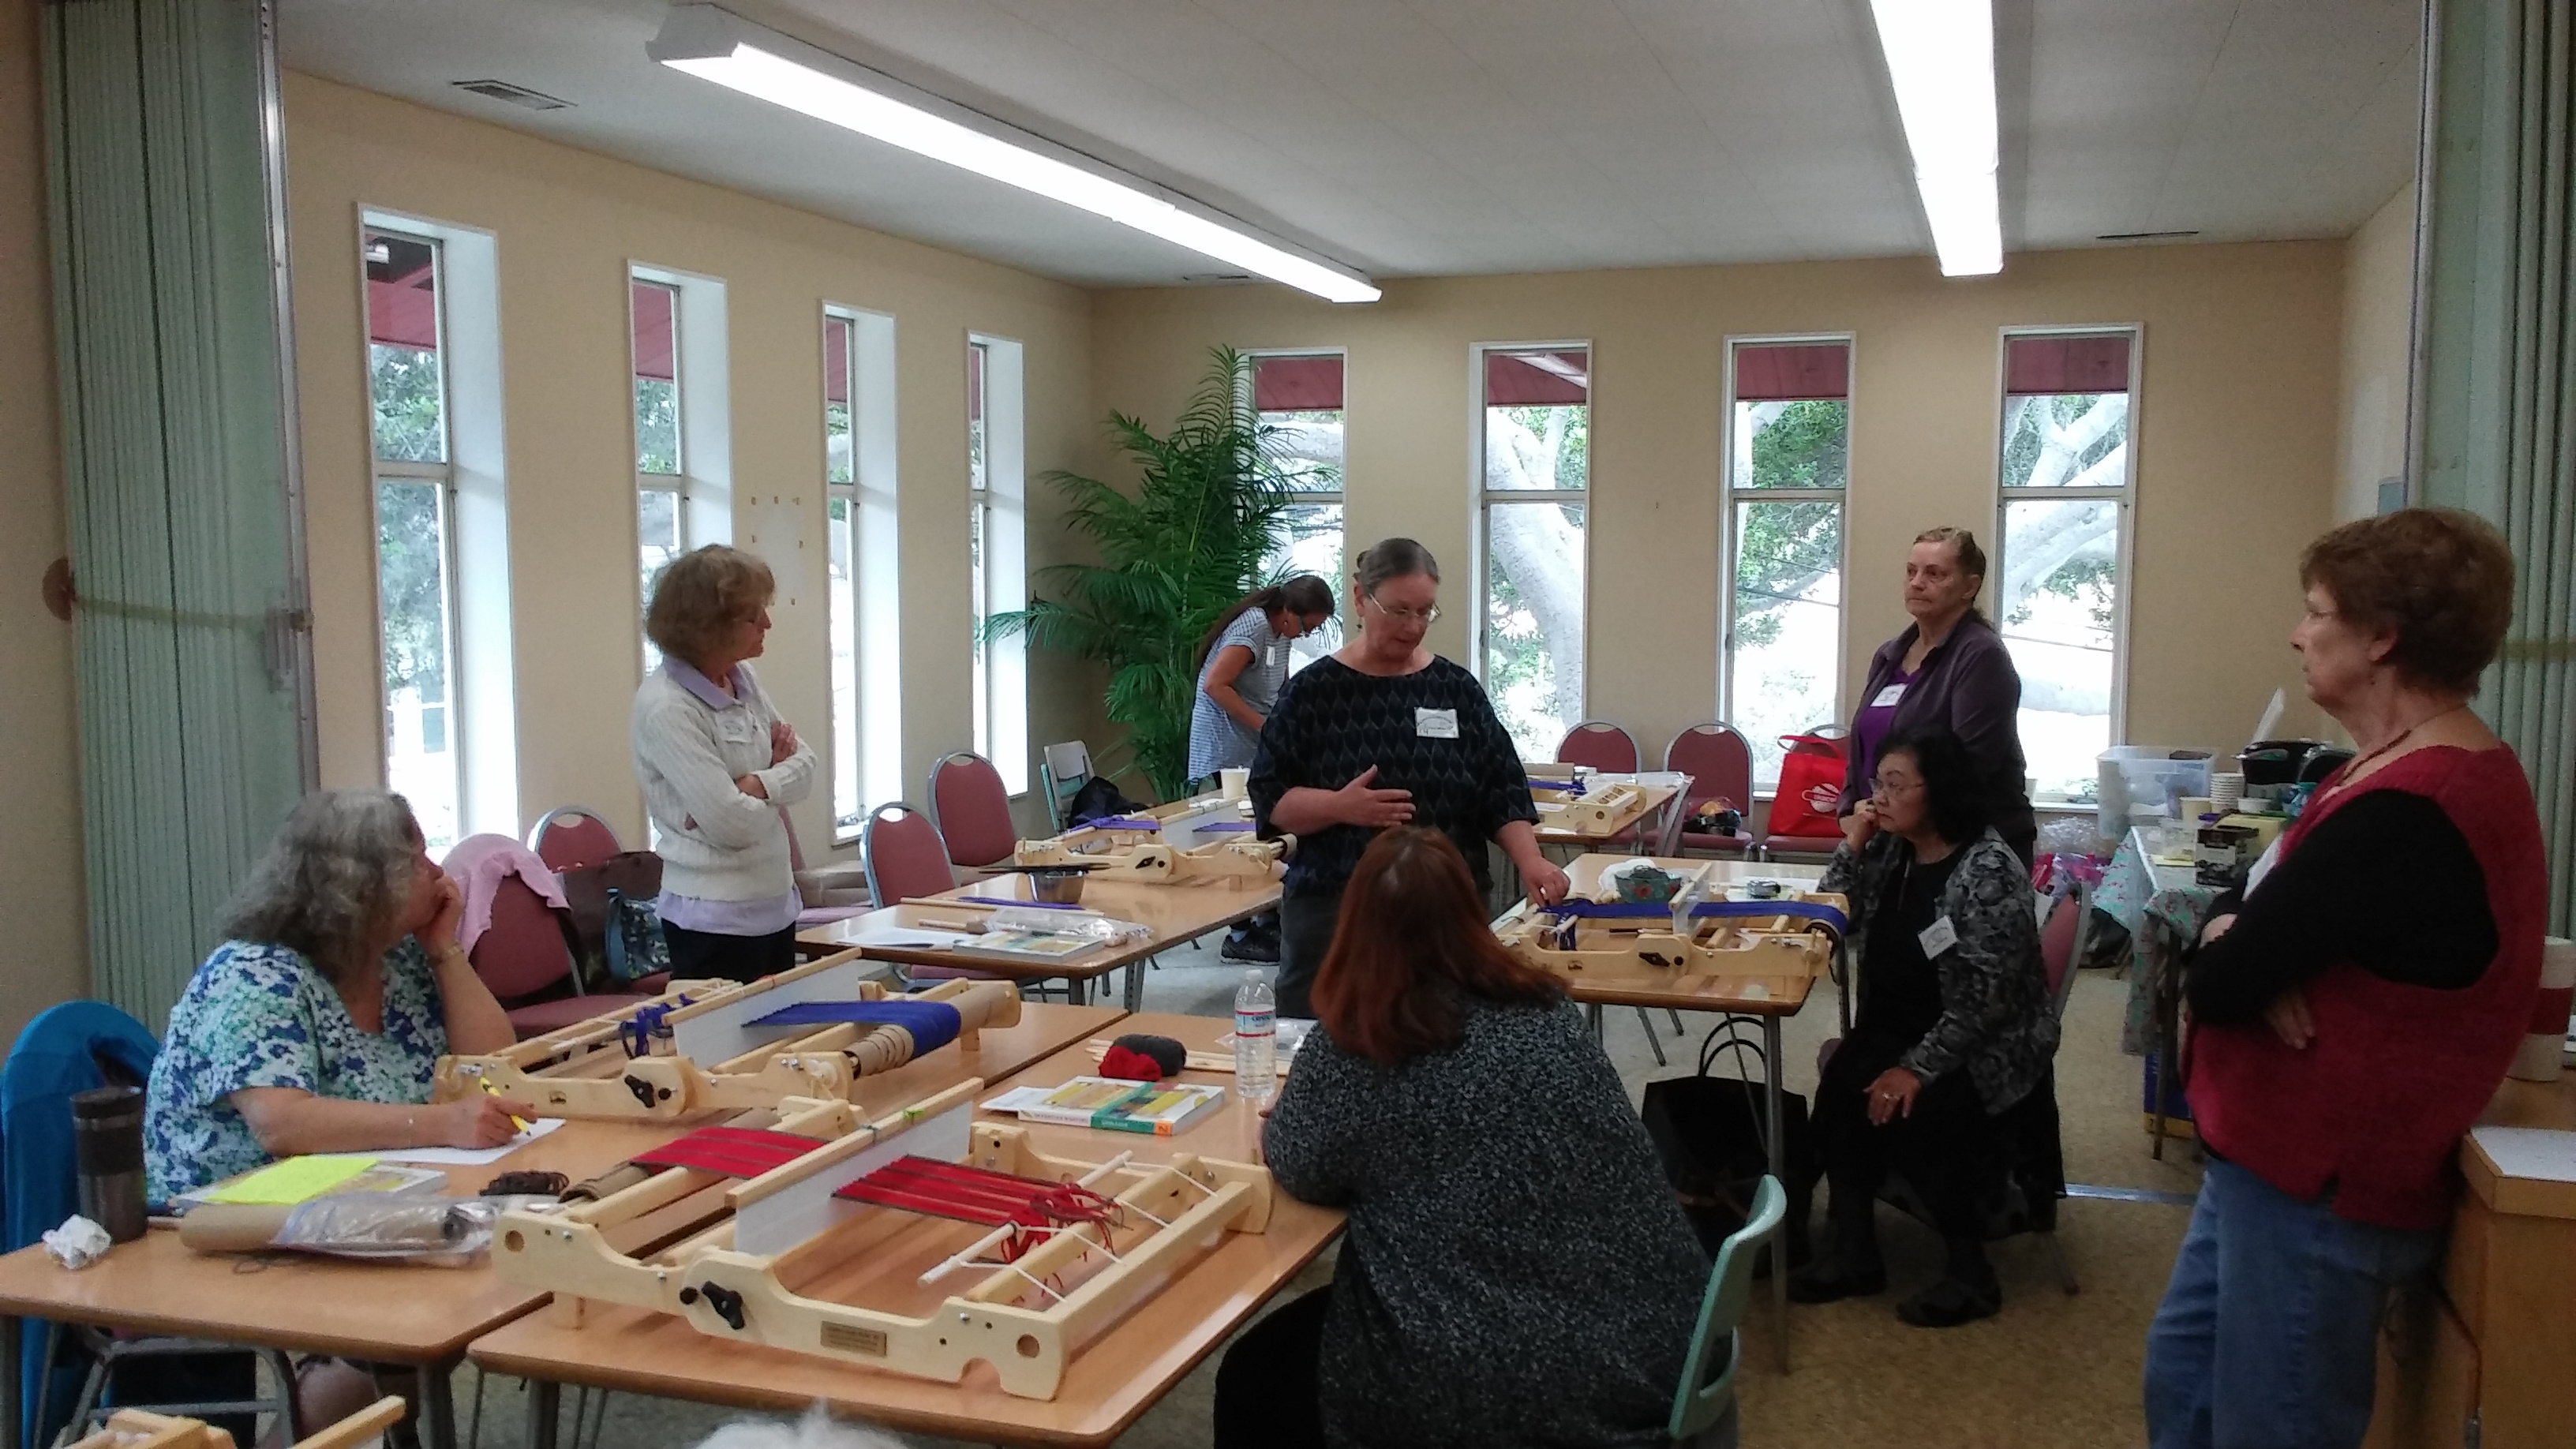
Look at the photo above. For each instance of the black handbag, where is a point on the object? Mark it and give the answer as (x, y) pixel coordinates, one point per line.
(1709, 1131)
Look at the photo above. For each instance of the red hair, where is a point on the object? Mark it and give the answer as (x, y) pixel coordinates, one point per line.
(1412, 937)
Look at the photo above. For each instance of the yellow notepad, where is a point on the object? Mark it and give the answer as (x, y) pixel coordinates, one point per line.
(293, 1180)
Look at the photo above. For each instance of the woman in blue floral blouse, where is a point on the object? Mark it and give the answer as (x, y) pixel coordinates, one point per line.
(316, 1025)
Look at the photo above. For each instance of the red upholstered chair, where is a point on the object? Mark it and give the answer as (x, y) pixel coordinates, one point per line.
(972, 809)
(906, 861)
(527, 953)
(570, 836)
(1720, 766)
(2062, 938)
(1600, 744)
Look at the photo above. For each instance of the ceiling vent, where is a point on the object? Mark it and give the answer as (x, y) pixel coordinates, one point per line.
(501, 90)
(1214, 279)
(2136, 236)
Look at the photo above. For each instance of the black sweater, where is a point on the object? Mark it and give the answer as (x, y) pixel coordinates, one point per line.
(2386, 883)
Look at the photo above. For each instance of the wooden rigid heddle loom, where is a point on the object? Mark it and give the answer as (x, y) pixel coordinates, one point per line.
(826, 1206)
(705, 1046)
(1134, 850)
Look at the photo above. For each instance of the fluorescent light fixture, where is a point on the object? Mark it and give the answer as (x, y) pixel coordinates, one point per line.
(717, 45)
(1941, 57)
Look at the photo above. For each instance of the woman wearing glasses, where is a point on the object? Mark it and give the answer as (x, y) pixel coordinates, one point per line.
(1955, 1027)
(1385, 732)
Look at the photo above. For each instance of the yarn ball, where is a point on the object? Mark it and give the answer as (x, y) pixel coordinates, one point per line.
(1129, 1066)
(1166, 1052)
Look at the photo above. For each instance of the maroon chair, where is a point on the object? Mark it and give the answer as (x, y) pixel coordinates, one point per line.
(526, 953)
(1600, 744)
(907, 860)
(1720, 766)
(570, 836)
(972, 809)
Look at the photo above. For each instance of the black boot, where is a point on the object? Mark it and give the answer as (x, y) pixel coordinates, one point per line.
(1851, 1267)
(1968, 1289)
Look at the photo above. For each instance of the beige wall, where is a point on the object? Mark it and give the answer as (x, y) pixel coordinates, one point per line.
(43, 958)
(567, 223)
(2236, 441)
(2378, 352)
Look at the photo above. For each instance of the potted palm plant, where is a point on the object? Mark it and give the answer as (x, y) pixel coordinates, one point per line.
(1197, 533)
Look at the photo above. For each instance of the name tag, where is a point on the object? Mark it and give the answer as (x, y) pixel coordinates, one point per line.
(1888, 697)
(2263, 866)
(1275, 650)
(1435, 724)
(1937, 937)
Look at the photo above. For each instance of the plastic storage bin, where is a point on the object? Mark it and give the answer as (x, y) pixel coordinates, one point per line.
(2142, 783)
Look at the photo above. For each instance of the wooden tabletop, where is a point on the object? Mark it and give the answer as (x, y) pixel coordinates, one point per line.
(2547, 1105)
(1691, 993)
(417, 1315)
(1107, 1385)
(1173, 913)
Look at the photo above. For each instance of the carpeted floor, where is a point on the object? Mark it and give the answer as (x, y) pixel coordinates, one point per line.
(2052, 1370)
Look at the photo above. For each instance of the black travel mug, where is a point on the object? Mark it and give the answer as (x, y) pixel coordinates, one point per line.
(107, 1146)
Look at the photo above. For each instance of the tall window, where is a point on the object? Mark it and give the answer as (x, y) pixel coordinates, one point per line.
(1535, 464)
(997, 552)
(1300, 400)
(415, 516)
(1789, 444)
(840, 487)
(2061, 562)
(661, 488)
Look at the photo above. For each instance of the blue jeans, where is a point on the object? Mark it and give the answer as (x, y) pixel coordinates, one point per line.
(2268, 1333)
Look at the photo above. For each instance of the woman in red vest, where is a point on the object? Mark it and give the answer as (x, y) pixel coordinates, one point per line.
(2352, 1015)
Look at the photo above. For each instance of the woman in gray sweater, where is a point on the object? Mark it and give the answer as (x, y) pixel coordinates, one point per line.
(1516, 1270)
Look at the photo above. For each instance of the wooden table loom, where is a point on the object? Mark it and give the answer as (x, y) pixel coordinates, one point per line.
(1792, 936)
(1061, 1249)
(1138, 853)
(142, 1429)
(710, 1046)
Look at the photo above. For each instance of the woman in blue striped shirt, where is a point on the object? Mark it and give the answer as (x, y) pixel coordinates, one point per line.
(1243, 661)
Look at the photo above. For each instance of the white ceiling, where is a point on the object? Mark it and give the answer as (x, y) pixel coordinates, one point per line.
(1439, 137)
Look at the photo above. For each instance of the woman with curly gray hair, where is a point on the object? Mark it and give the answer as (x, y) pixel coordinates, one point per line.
(315, 1026)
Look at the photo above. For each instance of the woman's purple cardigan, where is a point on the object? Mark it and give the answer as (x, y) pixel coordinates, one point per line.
(1968, 686)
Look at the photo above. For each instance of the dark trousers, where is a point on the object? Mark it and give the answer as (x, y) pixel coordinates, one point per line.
(697, 954)
(1947, 1148)
(1267, 1396)
(1305, 934)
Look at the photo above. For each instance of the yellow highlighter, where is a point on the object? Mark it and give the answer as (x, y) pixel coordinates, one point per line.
(515, 1119)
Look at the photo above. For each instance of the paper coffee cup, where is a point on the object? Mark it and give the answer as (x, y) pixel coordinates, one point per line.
(1233, 784)
(2543, 1051)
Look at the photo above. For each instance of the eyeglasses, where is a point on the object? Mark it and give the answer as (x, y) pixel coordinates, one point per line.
(1407, 616)
(1894, 787)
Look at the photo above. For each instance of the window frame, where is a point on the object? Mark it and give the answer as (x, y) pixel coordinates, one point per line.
(875, 596)
(997, 493)
(442, 475)
(1730, 494)
(1482, 499)
(1337, 497)
(2124, 495)
(675, 483)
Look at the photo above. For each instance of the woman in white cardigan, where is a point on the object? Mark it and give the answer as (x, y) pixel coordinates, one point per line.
(717, 763)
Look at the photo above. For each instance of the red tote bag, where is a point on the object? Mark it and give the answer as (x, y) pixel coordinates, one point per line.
(1811, 788)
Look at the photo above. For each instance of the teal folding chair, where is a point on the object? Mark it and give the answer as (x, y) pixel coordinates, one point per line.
(1707, 1391)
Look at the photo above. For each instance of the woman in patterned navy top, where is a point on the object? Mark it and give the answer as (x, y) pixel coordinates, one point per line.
(1383, 733)
(315, 1026)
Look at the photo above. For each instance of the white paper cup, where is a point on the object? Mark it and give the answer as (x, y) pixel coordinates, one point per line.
(1233, 784)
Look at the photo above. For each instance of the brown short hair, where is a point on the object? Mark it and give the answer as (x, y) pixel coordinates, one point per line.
(2439, 579)
(699, 597)
(1412, 937)
(1972, 559)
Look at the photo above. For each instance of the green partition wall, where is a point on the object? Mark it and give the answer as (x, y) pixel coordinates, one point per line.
(192, 655)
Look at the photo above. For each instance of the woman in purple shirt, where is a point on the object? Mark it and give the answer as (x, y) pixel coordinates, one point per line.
(1948, 671)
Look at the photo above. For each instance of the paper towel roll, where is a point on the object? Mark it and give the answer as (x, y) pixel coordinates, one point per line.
(2543, 1052)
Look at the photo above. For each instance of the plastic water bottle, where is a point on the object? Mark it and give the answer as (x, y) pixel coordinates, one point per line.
(1256, 1038)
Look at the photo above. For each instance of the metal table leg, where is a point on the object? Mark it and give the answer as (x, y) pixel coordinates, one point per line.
(1773, 1053)
(1592, 1017)
(1077, 990)
(438, 1405)
(12, 1336)
(545, 1406)
(1136, 985)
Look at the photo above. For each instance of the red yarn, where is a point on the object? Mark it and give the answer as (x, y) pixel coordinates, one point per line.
(1128, 1065)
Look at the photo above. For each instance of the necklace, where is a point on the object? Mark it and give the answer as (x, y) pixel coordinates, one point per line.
(2352, 771)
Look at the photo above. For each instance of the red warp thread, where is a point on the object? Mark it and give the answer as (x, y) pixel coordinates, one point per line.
(980, 1195)
(728, 1151)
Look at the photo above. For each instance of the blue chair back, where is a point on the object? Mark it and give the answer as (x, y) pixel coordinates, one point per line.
(58, 1054)
(1707, 1388)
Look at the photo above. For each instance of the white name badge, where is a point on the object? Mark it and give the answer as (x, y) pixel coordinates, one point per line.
(2262, 867)
(1435, 724)
(1888, 697)
(1937, 937)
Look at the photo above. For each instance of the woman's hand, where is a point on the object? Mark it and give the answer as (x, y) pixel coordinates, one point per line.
(1359, 803)
(2289, 1018)
(475, 1120)
(782, 744)
(1860, 825)
(752, 785)
(1547, 884)
(1892, 1095)
(438, 938)
(2217, 927)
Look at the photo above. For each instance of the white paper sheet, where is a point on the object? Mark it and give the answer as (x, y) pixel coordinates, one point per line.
(1016, 1098)
(2531, 1152)
(907, 938)
(469, 1156)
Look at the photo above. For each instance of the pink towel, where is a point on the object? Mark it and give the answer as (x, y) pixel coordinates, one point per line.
(479, 863)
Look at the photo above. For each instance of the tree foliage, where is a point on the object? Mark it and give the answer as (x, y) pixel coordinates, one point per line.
(1211, 495)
